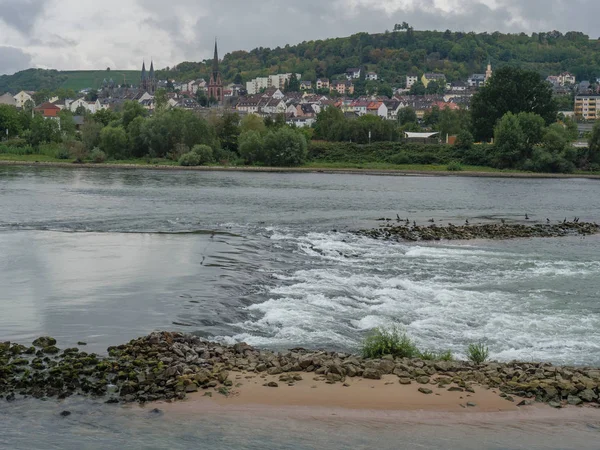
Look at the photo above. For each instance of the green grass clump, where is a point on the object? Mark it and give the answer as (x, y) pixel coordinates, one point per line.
(436, 356)
(454, 166)
(478, 353)
(389, 341)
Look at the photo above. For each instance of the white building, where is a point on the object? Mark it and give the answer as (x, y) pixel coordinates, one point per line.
(371, 76)
(411, 80)
(23, 97)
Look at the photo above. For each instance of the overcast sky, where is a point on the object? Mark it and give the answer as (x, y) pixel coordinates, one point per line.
(91, 34)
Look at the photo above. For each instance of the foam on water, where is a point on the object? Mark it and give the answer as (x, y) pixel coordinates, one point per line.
(522, 304)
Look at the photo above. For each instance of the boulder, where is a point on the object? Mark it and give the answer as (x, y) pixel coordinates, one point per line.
(372, 374)
(574, 400)
(425, 390)
(44, 341)
(588, 395)
(423, 380)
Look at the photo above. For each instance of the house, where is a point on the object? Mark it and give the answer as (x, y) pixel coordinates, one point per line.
(439, 78)
(305, 85)
(411, 80)
(91, 107)
(342, 87)
(359, 107)
(476, 80)
(273, 106)
(300, 122)
(23, 97)
(586, 106)
(323, 83)
(393, 106)
(377, 109)
(371, 76)
(8, 99)
(566, 78)
(353, 73)
(47, 110)
(446, 105)
(458, 86)
(249, 105)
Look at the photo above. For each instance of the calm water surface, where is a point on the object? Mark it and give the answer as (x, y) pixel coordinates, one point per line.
(105, 256)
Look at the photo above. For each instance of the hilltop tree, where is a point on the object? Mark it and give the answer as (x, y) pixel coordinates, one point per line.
(511, 90)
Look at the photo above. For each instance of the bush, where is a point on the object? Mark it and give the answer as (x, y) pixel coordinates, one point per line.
(436, 356)
(63, 153)
(189, 159)
(178, 151)
(389, 341)
(97, 156)
(464, 140)
(76, 150)
(205, 153)
(478, 353)
(454, 166)
(284, 148)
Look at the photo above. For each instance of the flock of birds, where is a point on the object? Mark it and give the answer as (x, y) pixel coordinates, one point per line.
(503, 221)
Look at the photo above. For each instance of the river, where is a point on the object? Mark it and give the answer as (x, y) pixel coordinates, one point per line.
(104, 256)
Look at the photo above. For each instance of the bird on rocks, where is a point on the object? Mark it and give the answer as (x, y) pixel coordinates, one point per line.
(467, 222)
(526, 217)
(431, 221)
(398, 217)
(415, 223)
(548, 221)
(503, 221)
(565, 221)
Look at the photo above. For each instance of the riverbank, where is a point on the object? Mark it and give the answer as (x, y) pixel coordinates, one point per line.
(170, 366)
(367, 169)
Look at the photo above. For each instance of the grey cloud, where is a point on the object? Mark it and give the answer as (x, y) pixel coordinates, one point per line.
(13, 59)
(21, 14)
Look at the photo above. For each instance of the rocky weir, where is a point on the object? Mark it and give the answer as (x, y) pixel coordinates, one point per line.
(400, 231)
(167, 366)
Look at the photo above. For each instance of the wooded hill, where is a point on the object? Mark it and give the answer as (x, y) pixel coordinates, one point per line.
(392, 55)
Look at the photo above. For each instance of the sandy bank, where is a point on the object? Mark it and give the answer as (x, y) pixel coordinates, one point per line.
(380, 172)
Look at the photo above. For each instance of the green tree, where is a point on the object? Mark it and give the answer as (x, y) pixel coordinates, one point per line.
(285, 147)
(9, 121)
(160, 100)
(407, 115)
(41, 96)
(113, 142)
(205, 154)
(67, 124)
(417, 89)
(293, 84)
(386, 90)
(464, 140)
(131, 110)
(593, 155)
(251, 147)
(90, 134)
(135, 137)
(228, 131)
(511, 90)
(328, 122)
(43, 131)
(105, 116)
(252, 122)
(509, 142)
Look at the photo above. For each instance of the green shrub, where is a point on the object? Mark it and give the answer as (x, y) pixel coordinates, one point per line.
(205, 153)
(478, 353)
(454, 166)
(63, 153)
(178, 152)
(189, 159)
(389, 341)
(97, 156)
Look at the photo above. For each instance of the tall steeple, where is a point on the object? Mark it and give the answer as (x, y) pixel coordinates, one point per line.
(215, 68)
(151, 70)
(143, 71)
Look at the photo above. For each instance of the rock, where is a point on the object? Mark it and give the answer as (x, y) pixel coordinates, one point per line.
(65, 413)
(555, 404)
(525, 403)
(272, 384)
(471, 404)
(372, 374)
(470, 389)
(191, 388)
(274, 371)
(81, 343)
(387, 366)
(405, 381)
(455, 389)
(45, 341)
(423, 380)
(425, 390)
(223, 375)
(588, 395)
(51, 350)
(574, 400)
(261, 368)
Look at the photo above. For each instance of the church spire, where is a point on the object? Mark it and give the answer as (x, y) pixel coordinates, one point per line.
(144, 71)
(215, 67)
(151, 69)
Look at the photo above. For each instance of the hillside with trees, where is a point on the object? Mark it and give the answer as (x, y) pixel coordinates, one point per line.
(391, 54)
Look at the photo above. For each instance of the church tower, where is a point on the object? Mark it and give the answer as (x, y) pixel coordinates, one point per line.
(215, 85)
(152, 79)
(144, 80)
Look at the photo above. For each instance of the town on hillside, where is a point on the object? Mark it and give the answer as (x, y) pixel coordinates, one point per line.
(297, 99)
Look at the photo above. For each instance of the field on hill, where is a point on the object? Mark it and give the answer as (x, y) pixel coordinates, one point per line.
(82, 79)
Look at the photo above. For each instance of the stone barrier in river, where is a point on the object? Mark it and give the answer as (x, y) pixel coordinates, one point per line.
(167, 366)
(400, 232)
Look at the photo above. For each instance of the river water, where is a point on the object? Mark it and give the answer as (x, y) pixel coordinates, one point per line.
(106, 256)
